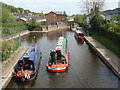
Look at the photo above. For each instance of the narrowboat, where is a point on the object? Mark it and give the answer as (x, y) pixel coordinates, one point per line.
(79, 35)
(28, 64)
(60, 62)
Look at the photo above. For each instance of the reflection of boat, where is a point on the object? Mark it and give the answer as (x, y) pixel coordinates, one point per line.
(61, 59)
(79, 42)
(28, 64)
(79, 35)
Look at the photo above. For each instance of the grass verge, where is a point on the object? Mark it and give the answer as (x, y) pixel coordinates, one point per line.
(109, 44)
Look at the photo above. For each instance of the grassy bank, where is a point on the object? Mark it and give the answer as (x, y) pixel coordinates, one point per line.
(107, 42)
(8, 48)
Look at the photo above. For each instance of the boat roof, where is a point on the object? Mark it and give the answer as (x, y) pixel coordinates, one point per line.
(30, 53)
(77, 31)
(61, 45)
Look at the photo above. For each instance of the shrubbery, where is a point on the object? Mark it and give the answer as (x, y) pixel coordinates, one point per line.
(106, 30)
(31, 25)
(8, 47)
(9, 24)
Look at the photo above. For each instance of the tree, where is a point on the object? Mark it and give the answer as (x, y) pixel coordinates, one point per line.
(90, 6)
(32, 24)
(96, 21)
(78, 18)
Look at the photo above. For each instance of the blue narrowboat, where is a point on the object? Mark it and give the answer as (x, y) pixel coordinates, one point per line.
(27, 66)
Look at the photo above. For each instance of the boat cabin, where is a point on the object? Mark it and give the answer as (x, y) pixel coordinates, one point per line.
(79, 35)
(26, 64)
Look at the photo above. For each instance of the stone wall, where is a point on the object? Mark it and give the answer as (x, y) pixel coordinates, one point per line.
(54, 27)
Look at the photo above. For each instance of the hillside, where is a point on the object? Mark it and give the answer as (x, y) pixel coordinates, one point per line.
(113, 12)
(17, 11)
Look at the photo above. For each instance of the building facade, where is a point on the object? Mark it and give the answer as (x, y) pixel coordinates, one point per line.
(54, 17)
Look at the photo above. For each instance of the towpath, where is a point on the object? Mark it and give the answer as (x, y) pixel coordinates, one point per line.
(8, 65)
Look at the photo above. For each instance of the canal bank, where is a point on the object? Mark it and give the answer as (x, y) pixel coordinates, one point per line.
(50, 29)
(8, 65)
(16, 35)
(111, 60)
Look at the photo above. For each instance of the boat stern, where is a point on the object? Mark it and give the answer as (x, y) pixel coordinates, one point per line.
(56, 69)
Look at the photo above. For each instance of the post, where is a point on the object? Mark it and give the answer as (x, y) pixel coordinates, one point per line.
(19, 40)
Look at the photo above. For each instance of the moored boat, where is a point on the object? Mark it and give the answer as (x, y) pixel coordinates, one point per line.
(79, 35)
(61, 57)
(27, 66)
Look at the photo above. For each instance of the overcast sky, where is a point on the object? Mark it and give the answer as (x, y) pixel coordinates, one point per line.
(70, 6)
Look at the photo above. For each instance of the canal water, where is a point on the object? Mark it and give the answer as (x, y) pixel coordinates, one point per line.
(86, 70)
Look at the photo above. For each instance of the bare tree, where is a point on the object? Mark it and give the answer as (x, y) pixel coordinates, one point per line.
(92, 5)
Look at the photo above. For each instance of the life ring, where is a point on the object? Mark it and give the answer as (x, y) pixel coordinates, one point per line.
(20, 74)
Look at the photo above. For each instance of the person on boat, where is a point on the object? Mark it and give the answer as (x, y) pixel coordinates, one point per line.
(58, 55)
(52, 57)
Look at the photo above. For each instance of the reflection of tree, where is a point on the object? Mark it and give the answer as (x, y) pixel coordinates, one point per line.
(55, 34)
(32, 38)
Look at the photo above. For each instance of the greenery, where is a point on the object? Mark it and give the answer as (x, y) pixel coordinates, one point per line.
(107, 42)
(112, 12)
(8, 47)
(78, 18)
(9, 24)
(32, 24)
(14, 10)
(115, 18)
(105, 31)
(18, 11)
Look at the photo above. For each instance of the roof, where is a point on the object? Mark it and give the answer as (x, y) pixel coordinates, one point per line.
(39, 17)
(61, 45)
(77, 31)
(30, 53)
(24, 19)
(57, 12)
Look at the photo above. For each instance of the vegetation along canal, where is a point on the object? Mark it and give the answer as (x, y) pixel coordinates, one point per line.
(86, 70)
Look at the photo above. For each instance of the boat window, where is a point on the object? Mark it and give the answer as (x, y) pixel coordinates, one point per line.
(80, 34)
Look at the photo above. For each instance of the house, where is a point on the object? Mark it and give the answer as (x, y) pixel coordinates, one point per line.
(70, 18)
(40, 19)
(108, 17)
(55, 17)
(24, 20)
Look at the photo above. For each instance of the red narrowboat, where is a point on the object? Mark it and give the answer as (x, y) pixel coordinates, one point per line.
(58, 60)
(79, 35)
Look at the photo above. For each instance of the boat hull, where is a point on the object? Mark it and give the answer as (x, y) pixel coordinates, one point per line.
(23, 79)
(62, 69)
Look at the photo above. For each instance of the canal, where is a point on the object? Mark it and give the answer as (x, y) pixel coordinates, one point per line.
(86, 70)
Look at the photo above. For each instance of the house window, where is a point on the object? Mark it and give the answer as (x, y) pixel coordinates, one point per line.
(54, 15)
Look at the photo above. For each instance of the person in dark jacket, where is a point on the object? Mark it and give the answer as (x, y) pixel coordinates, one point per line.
(52, 57)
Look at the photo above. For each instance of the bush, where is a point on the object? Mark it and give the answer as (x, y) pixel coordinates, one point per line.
(9, 24)
(31, 25)
(8, 47)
